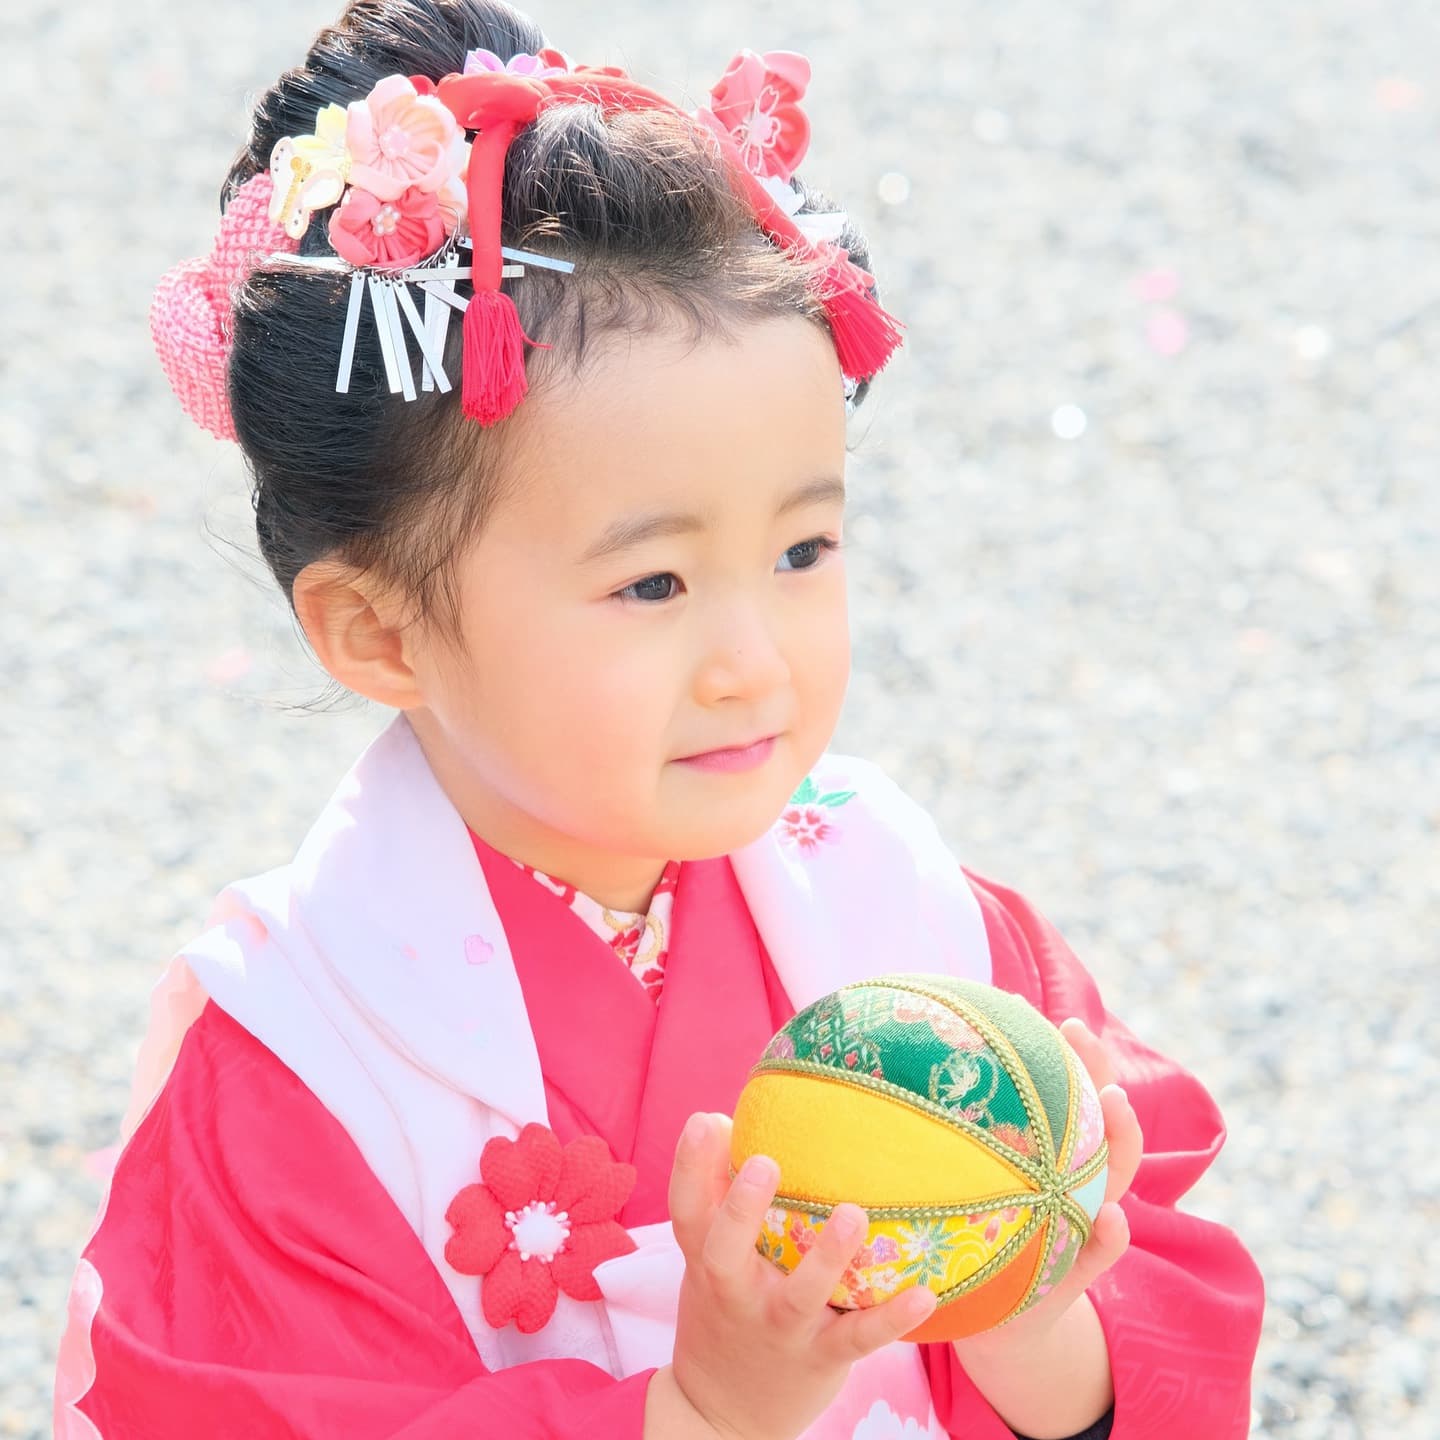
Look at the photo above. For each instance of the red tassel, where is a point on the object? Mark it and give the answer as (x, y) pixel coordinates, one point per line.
(493, 380)
(866, 335)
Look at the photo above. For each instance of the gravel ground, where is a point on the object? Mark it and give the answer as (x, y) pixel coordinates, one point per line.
(1146, 558)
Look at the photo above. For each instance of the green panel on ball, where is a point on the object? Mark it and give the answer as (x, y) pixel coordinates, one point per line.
(916, 1042)
(1032, 1035)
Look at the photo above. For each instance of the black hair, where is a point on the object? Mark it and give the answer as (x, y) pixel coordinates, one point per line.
(637, 199)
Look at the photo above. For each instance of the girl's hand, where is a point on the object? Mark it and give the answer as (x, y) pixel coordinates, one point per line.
(1110, 1237)
(758, 1353)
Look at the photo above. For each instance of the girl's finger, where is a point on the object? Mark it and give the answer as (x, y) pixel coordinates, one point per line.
(857, 1333)
(698, 1181)
(1108, 1241)
(1092, 1052)
(806, 1291)
(1122, 1134)
(728, 1258)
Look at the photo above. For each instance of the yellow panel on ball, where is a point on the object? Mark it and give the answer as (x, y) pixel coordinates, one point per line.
(889, 1147)
(957, 1116)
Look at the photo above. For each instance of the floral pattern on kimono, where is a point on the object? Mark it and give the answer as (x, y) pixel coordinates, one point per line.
(642, 942)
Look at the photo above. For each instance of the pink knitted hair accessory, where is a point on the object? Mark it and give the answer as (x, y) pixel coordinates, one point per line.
(190, 316)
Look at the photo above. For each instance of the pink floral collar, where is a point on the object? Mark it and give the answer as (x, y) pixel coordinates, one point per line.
(642, 942)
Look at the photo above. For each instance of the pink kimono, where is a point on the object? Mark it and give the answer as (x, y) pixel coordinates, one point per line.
(328, 1060)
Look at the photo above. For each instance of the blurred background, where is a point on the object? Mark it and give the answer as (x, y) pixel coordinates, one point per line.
(1145, 548)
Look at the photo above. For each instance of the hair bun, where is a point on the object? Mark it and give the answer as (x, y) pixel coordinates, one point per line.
(190, 312)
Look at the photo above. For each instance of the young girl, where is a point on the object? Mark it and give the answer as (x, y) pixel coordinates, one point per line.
(429, 1133)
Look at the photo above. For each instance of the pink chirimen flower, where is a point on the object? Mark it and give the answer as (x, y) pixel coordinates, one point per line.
(391, 234)
(399, 138)
(757, 100)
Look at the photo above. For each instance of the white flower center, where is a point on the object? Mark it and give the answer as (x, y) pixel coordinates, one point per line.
(539, 1230)
(387, 218)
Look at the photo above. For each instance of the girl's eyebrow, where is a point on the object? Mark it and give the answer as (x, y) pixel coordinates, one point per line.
(633, 529)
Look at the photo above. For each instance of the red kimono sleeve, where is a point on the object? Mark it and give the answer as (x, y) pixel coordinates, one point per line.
(257, 1281)
(1181, 1309)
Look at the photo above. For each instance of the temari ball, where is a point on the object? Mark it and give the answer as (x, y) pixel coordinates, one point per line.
(961, 1120)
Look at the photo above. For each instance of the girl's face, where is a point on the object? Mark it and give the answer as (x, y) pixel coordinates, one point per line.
(662, 583)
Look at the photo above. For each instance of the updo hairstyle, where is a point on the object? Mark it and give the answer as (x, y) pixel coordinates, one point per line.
(660, 240)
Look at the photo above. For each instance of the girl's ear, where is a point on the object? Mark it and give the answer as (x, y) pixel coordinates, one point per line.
(354, 627)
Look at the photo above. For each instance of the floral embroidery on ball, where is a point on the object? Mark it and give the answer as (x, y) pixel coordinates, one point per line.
(807, 822)
(541, 1219)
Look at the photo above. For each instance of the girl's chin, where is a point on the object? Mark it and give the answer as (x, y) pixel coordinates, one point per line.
(696, 837)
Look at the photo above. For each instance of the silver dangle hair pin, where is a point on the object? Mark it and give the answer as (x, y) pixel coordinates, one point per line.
(393, 309)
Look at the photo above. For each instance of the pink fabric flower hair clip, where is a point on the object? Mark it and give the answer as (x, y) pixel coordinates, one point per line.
(757, 102)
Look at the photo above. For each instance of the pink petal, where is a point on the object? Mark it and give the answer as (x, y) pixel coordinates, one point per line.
(589, 1246)
(481, 1235)
(477, 950)
(229, 666)
(1156, 286)
(793, 142)
(502, 1290)
(537, 1298)
(1167, 332)
(522, 1170)
(790, 70)
(538, 1293)
(592, 1186)
(360, 131)
(390, 94)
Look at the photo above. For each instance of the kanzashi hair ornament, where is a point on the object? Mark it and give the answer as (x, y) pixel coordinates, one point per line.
(405, 186)
(865, 335)
(756, 119)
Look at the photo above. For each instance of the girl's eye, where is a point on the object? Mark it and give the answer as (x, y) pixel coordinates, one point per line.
(652, 588)
(806, 555)
(655, 589)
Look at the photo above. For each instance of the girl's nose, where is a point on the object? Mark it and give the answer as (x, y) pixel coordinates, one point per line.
(744, 658)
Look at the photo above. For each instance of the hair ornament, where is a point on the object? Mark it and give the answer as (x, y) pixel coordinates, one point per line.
(191, 310)
(755, 117)
(309, 172)
(757, 102)
(415, 203)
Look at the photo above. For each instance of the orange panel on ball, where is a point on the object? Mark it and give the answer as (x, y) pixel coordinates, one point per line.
(991, 1302)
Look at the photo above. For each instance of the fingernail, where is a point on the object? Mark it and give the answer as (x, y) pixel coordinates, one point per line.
(920, 1302)
(760, 1171)
(845, 1225)
(694, 1131)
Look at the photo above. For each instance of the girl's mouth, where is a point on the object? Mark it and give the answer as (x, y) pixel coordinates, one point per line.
(740, 757)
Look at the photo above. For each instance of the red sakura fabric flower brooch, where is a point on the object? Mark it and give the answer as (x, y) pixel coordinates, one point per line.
(539, 1222)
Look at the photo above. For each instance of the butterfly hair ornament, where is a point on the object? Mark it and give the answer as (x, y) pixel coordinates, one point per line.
(412, 177)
